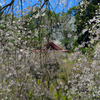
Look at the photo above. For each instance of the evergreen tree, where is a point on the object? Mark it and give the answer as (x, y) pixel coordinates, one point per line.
(82, 17)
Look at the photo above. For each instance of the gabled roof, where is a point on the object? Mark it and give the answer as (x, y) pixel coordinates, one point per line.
(52, 46)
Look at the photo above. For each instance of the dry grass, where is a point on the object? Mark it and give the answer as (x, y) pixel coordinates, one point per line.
(51, 56)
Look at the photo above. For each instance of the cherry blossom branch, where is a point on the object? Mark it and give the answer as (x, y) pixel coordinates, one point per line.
(40, 8)
(10, 4)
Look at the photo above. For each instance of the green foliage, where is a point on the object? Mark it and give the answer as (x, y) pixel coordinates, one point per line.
(52, 14)
(83, 49)
(87, 14)
(72, 11)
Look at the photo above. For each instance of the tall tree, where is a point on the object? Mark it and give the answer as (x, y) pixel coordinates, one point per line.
(0, 13)
(86, 11)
